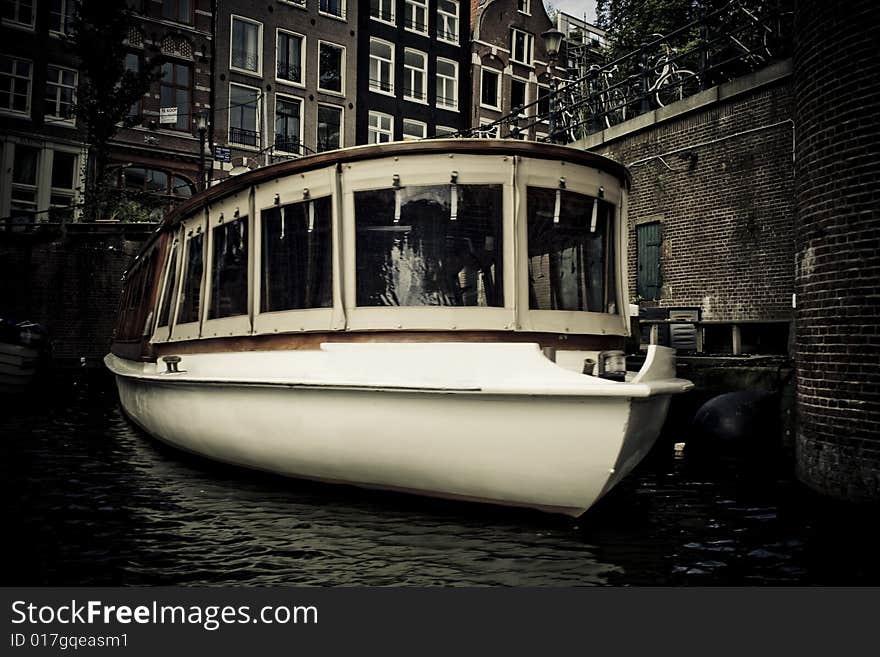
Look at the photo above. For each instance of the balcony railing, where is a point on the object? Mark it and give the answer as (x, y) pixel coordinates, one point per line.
(289, 72)
(288, 144)
(412, 94)
(245, 61)
(244, 137)
(417, 25)
(381, 85)
(382, 14)
(332, 7)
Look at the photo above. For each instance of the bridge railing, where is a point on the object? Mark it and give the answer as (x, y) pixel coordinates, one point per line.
(716, 46)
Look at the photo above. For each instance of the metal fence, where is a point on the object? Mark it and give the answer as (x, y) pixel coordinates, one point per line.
(717, 46)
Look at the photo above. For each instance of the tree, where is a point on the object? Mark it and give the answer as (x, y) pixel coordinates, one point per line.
(630, 23)
(107, 90)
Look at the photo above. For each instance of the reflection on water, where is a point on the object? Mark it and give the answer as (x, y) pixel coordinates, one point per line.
(91, 500)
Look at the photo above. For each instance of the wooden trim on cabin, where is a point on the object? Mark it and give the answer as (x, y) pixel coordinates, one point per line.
(313, 341)
(136, 350)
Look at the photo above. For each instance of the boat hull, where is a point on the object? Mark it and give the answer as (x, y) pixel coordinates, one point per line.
(17, 367)
(553, 452)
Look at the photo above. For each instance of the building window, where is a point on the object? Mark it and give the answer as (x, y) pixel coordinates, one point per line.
(382, 10)
(518, 96)
(246, 37)
(60, 92)
(63, 180)
(155, 181)
(15, 84)
(447, 21)
(290, 57)
(24, 181)
(61, 16)
(490, 86)
(415, 73)
(413, 129)
(447, 84)
(288, 116)
(525, 6)
(43, 183)
(543, 100)
(64, 175)
(521, 46)
(381, 128)
(177, 10)
(381, 66)
(444, 131)
(332, 7)
(244, 105)
(416, 16)
(331, 63)
(329, 128)
(133, 66)
(19, 12)
(648, 240)
(176, 92)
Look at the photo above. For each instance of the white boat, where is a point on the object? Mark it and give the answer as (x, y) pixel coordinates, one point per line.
(442, 317)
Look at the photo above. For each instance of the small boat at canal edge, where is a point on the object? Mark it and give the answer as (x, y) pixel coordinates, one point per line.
(22, 346)
(443, 317)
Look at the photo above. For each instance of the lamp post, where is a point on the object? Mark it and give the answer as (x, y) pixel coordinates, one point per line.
(202, 126)
(552, 42)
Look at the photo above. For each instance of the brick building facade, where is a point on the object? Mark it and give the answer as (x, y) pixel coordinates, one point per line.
(838, 232)
(285, 79)
(413, 59)
(711, 212)
(159, 153)
(42, 154)
(509, 64)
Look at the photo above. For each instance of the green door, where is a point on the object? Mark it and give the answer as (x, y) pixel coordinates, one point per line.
(648, 260)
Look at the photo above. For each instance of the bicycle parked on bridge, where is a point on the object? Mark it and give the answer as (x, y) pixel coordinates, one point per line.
(668, 82)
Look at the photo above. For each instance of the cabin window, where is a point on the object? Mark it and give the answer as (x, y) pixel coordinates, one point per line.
(433, 245)
(192, 281)
(569, 241)
(165, 310)
(229, 270)
(297, 256)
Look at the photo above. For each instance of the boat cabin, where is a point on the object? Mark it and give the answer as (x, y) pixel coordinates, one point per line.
(438, 240)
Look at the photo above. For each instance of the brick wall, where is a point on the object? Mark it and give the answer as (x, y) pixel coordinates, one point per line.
(725, 200)
(836, 64)
(71, 285)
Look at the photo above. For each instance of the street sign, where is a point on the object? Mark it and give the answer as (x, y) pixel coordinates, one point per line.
(167, 115)
(222, 154)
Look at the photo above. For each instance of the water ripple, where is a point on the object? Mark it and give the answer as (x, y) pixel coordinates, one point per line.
(94, 501)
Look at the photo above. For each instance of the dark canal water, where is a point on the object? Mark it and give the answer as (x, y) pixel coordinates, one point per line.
(90, 500)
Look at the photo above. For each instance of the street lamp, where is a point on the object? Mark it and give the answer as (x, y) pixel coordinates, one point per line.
(202, 127)
(552, 42)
